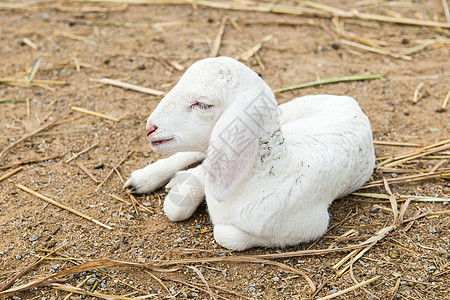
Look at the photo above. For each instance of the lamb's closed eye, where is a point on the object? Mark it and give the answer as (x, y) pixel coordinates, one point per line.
(201, 106)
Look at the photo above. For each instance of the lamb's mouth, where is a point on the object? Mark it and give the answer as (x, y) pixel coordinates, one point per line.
(160, 142)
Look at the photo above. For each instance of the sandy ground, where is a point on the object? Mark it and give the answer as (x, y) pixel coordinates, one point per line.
(411, 264)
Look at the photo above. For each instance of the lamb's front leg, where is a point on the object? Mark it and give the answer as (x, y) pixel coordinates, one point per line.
(187, 191)
(157, 174)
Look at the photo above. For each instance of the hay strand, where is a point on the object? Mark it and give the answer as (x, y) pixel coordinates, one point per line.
(10, 173)
(420, 150)
(80, 214)
(76, 290)
(93, 113)
(320, 10)
(218, 40)
(27, 269)
(30, 43)
(76, 37)
(374, 50)
(82, 152)
(446, 10)
(34, 70)
(112, 171)
(392, 143)
(328, 81)
(88, 173)
(250, 52)
(401, 197)
(164, 60)
(34, 82)
(78, 286)
(12, 100)
(29, 160)
(425, 45)
(26, 137)
(352, 288)
(444, 104)
(128, 86)
(411, 178)
(416, 95)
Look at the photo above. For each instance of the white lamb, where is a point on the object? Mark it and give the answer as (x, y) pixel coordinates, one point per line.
(269, 172)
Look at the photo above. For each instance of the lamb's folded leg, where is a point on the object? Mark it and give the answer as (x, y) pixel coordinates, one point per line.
(233, 238)
(157, 174)
(187, 191)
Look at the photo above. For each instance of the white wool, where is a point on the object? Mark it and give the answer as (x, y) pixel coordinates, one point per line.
(270, 171)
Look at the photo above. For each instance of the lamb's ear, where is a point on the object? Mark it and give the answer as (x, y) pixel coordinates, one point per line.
(232, 150)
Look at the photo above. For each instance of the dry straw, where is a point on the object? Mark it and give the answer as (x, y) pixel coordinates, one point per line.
(82, 152)
(26, 137)
(112, 171)
(444, 104)
(165, 61)
(27, 269)
(128, 86)
(30, 43)
(47, 199)
(88, 173)
(93, 113)
(10, 173)
(30, 160)
(218, 40)
(253, 50)
(328, 81)
(392, 143)
(314, 9)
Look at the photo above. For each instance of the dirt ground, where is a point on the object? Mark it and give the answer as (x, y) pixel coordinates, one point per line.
(411, 264)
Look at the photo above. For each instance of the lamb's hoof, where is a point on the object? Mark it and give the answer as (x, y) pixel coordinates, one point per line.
(128, 185)
(144, 181)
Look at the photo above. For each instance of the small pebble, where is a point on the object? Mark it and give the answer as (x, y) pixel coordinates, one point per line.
(141, 66)
(55, 267)
(147, 204)
(374, 209)
(222, 254)
(276, 278)
(394, 175)
(433, 230)
(18, 256)
(91, 281)
(34, 238)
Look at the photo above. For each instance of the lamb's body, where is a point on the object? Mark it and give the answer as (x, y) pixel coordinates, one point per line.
(269, 175)
(328, 144)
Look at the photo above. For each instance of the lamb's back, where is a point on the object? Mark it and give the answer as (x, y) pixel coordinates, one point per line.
(331, 138)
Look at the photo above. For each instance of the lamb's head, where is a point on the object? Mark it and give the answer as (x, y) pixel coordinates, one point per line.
(186, 116)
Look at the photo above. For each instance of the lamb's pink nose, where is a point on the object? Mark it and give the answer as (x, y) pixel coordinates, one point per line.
(151, 128)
